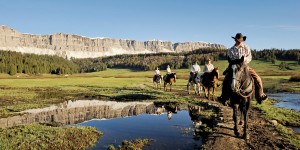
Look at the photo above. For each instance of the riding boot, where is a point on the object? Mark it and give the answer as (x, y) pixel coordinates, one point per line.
(259, 93)
(224, 96)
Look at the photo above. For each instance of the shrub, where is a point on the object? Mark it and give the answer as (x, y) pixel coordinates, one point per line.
(295, 78)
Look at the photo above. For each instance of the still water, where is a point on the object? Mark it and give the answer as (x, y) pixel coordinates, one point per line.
(174, 133)
(287, 100)
(290, 101)
(169, 125)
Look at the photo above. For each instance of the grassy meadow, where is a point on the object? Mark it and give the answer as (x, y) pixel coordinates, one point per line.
(21, 92)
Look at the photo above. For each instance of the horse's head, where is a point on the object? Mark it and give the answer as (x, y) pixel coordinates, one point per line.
(173, 75)
(216, 72)
(237, 67)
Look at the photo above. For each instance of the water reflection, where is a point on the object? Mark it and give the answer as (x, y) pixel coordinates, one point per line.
(173, 126)
(72, 112)
(176, 133)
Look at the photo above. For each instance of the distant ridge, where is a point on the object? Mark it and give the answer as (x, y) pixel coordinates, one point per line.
(70, 45)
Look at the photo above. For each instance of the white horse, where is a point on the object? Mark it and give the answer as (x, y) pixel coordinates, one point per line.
(196, 82)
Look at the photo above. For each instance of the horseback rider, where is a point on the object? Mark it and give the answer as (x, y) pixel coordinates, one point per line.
(156, 74)
(195, 69)
(168, 70)
(208, 67)
(238, 50)
(168, 73)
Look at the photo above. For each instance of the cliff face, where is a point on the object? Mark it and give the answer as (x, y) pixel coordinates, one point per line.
(68, 45)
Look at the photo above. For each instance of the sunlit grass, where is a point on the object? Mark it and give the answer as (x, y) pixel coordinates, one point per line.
(37, 136)
(285, 117)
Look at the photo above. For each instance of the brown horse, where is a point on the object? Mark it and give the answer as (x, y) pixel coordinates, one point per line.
(210, 80)
(169, 79)
(241, 92)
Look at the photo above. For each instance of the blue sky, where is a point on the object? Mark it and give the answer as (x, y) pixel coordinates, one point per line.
(266, 23)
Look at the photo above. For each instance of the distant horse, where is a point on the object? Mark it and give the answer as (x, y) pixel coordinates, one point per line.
(241, 92)
(196, 83)
(157, 81)
(210, 80)
(169, 79)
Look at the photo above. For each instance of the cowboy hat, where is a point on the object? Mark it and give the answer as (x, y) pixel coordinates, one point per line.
(239, 37)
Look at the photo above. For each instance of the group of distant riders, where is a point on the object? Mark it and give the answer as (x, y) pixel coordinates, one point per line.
(238, 50)
(195, 71)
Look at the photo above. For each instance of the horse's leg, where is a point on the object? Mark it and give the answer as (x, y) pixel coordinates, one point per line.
(205, 91)
(246, 109)
(235, 117)
(198, 88)
(213, 93)
(195, 88)
(188, 87)
(170, 87)
(208, 93)
(242, 114)
(165, 86)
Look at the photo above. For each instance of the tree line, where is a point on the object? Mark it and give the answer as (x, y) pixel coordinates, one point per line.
(161, 60)
(16, 62)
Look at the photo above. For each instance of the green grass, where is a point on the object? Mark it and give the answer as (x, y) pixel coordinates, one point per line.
(288, 134)
(21, 92)
(35, 136)
(137, 144)
(284, 116)
(27, 92)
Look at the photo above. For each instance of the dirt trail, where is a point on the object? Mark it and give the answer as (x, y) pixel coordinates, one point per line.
(262, 133)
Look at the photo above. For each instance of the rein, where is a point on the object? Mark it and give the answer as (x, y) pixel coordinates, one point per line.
(240, 91)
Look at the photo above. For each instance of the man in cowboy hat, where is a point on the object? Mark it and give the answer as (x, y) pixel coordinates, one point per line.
(238, 50)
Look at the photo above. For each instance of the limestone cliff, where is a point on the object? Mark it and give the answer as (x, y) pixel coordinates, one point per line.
(68, 45)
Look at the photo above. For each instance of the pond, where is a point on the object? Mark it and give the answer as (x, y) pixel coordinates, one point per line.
(287, 100)
(175, 133)
(171, 126)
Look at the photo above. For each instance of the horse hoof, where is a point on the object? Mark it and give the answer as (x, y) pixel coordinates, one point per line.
(246, 137)
(236, 133)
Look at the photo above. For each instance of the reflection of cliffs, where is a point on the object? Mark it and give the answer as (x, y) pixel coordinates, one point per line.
(68, 45)
(79, 111)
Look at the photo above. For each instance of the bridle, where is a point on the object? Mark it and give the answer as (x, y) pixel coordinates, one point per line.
(240, 91)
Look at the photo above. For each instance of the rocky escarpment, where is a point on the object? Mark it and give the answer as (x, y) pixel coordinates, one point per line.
(68, 45)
